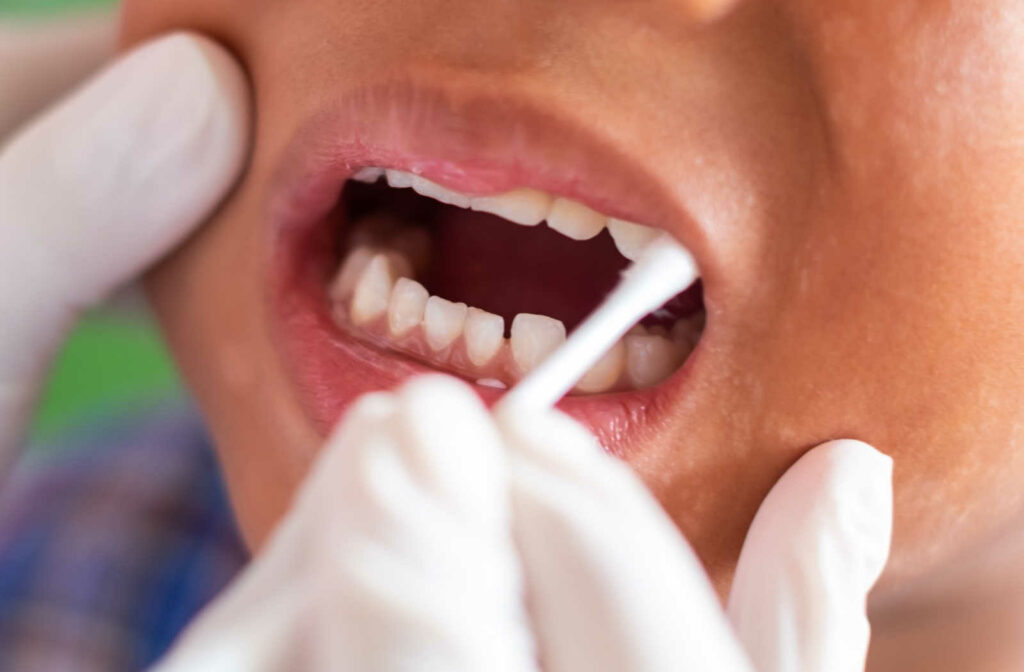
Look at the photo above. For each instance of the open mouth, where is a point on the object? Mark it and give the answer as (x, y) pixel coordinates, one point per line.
(414, 233)
(486, 287)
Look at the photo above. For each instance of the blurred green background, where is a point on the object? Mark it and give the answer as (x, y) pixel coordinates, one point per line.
(115, 359)
(35, 6)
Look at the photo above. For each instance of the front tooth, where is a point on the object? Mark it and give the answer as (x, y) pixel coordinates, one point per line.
(603, 375)
(575, 220)
(492, 382)
(528, 207)
(399, 179)
(534, 337)
(485, 332)
(443, 321)
(650, 359)
(352, 268)
(373, 290)
(630, 238)
(406, 307)
(368, 175)
(425, 187)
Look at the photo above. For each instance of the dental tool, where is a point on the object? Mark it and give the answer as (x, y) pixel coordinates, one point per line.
(664, 269)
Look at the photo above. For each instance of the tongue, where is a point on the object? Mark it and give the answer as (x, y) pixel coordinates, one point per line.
(506, 269)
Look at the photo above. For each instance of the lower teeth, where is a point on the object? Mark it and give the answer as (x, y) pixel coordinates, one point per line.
(375, 297)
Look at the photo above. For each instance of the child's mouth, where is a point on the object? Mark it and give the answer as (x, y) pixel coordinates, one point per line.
(487, 286)
(407, 241)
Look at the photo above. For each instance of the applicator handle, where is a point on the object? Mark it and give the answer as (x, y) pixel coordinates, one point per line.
(665, 269)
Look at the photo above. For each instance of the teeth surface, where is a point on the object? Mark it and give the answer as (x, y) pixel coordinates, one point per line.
(425, 187)
(443, 321)
(484, 335)
(399, 179)
(527, 207)
(492, 382)
(368, 175)
(372, 284)
(575, 220)
(650, 359)
(345, 281)
(373, 290)
(534, 337)
(630, 238)
(406, 307)
(603, 375)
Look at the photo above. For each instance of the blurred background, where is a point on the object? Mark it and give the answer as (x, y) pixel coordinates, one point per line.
(36, 6)
(115, 361)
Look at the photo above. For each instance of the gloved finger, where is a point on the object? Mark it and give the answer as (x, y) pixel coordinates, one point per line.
(816, 547)
(612, 585)
(397, 555)
(104, 184)
(434, 577)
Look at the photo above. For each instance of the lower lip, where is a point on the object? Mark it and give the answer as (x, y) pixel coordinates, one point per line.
(332, 369)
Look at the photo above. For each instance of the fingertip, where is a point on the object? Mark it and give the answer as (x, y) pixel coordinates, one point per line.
(420, 389)
(442, 408)
(852, 453)
(206, 92)
(851, 470)
(452, 444)
(842, 490)
(817, 545)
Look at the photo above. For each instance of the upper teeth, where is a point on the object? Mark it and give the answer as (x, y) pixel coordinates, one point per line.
(528, 207)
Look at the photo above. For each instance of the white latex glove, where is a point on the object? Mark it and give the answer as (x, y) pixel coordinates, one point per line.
(100, 187)
(433, 537)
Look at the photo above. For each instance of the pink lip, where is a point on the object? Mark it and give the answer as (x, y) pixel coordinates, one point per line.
(475, 145)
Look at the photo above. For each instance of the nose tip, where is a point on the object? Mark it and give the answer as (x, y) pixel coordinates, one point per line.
(708, 10)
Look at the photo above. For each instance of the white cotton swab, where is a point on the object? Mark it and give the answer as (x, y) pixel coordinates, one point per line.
(663, 270)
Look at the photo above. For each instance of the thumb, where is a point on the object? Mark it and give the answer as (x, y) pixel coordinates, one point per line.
(816, 547)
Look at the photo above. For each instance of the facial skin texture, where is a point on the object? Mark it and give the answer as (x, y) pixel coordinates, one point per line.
(855, 169)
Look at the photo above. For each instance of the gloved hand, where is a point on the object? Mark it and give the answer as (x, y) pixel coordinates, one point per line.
(431, 536)
(99, 188)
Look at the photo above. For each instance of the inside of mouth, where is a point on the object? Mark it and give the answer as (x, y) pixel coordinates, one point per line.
(432, 280)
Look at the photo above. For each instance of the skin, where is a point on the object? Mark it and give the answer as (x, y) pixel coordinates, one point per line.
(856, 169)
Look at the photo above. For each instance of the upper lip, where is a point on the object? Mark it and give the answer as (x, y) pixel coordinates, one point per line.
(474, 144)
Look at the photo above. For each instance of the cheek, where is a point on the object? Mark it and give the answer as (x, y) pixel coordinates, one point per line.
(208, 299)
(221, 19)
(209, 302)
